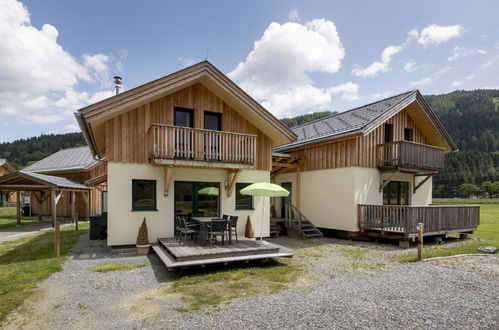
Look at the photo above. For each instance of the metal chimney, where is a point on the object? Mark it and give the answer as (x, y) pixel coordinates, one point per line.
(117, 84)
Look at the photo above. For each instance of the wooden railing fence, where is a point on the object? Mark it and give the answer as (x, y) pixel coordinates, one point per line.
(174, 142)
(405, 153)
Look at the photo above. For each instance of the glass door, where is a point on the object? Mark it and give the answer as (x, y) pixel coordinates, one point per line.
(197, 198)
(288, 199)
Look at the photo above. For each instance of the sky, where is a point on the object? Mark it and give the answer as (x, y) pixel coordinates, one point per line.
(294, 57)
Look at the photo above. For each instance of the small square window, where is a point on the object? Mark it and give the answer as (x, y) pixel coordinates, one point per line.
(243, 202)
(144, 195)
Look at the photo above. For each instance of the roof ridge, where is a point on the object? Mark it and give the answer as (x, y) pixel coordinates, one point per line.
(349, 110)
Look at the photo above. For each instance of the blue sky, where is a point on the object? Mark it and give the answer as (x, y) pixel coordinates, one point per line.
(58, 56)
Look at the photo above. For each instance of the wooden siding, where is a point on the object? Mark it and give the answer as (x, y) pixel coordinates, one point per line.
(126, 135)
(64, 204)
(357, 151)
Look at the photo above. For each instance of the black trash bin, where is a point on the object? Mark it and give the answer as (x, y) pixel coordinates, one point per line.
(26, 210)
(95, 226)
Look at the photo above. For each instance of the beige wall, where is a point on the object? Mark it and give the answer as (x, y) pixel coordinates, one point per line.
(329, 198)
(123, 224)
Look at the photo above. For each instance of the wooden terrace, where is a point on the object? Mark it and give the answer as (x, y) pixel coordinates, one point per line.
(400, 221)
(190, 253)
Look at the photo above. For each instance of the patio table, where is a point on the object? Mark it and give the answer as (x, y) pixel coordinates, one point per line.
(203, 222)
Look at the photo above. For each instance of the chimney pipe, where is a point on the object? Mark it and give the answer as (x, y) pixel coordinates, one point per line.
(117, 84)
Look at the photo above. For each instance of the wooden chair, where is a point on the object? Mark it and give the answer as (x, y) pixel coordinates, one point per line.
(218, 227)
(233, 226)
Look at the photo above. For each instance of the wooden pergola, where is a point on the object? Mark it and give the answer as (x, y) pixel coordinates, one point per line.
(37, 183)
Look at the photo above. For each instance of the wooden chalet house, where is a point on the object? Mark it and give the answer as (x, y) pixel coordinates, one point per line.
(369, 171)
(7, 198)
(165, 141)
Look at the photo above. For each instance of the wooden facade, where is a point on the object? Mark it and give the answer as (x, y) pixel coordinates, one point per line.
(359, 150)
(8, 198)
(127, 134)
(41, 202)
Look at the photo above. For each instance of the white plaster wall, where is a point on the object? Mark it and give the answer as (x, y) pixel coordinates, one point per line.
(123, 223)
(329, 198)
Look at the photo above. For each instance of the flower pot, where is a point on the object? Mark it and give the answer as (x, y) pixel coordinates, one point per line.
(143, 249)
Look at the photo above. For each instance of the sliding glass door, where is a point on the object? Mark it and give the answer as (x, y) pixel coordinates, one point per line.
(197, 198)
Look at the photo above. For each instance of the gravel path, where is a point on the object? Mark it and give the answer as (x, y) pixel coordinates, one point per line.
(411, 295)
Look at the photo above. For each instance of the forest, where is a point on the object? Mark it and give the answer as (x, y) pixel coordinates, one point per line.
(470, 117)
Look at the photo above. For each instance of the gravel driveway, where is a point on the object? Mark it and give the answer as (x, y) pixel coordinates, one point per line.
(410, 295)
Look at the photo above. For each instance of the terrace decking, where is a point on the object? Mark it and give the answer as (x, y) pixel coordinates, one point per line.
(189, 254)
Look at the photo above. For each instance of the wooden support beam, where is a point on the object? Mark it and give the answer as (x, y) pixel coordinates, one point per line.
(290, 165)
(168, 178)
(58, 197)
(298, 188)
(18, 207)
(384, 183)
(231, 181)
(428, 177)
(57, 239)
(86, 197)
(53, 206)
(73, 209)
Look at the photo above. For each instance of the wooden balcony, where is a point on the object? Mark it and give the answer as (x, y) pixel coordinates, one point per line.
(173, 145)
(409, 155)
(402, 220)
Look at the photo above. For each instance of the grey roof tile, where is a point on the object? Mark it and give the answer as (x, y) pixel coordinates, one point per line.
(56, 180)
(71, 159)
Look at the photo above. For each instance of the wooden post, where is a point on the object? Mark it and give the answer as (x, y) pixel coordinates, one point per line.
(73, 209)
(53, 202)
(57, 239)
(18, 207)
(420, 240)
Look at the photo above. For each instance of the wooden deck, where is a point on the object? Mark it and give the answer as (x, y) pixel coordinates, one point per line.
(189, 254)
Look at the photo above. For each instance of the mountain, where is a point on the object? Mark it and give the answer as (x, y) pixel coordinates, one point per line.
(23, 152)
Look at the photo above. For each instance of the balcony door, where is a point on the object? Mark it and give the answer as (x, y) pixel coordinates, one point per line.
(396, 193)
(183, 139)
(212, 140)
(197, 198)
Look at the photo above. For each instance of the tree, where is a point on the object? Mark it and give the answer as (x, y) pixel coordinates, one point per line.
(491, 188)
(468, 189)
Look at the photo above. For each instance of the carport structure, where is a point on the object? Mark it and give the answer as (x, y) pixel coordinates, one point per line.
(53, 186)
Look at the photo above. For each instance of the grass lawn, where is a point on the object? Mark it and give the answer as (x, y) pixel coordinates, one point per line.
(8, 218)
(486, 234)
(111, 267)
(211, 288)
(26, 261)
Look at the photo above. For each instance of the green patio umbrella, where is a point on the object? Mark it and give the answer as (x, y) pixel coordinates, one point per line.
(211, 191)
(265, 189)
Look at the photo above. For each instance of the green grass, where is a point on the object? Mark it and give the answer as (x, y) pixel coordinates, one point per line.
(26, 261)
(465, 201)
(114, 267)
(8, 218)
(215, 287)
(486, 234)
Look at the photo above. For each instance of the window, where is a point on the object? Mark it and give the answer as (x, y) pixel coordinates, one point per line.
(243, 202)
(144, 195)
(213, 121)
(183, 117)
(407, 134)
(396, 193)
(388, 133)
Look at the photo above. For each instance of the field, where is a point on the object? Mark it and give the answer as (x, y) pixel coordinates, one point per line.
(8, 218)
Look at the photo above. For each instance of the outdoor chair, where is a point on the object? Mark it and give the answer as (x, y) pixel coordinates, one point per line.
(183, 230)
(233, 226)
(218, 227)
(225, 217)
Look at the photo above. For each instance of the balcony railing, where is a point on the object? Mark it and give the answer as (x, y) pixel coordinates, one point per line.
(410, 154)
(403, 219)
(183, 143)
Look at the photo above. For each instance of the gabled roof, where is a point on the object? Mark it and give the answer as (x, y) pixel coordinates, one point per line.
(5, 163)
(92, 117)
(72, 159)
(35, 181)
(362, 120)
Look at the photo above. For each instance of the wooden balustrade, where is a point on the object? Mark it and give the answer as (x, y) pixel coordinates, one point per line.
(405, 153)
(174, 142)
(404, 219)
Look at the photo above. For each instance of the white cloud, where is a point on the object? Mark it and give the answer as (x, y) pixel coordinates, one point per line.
(436, 34)
(70, 128)
(410, 66)
(428, 80)
(490, 62)
(276, 71)
(38, 78)
(294, 16)
(458, 52)
(379, 66)
(457, 83)
(348, 91)
(186, 61)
